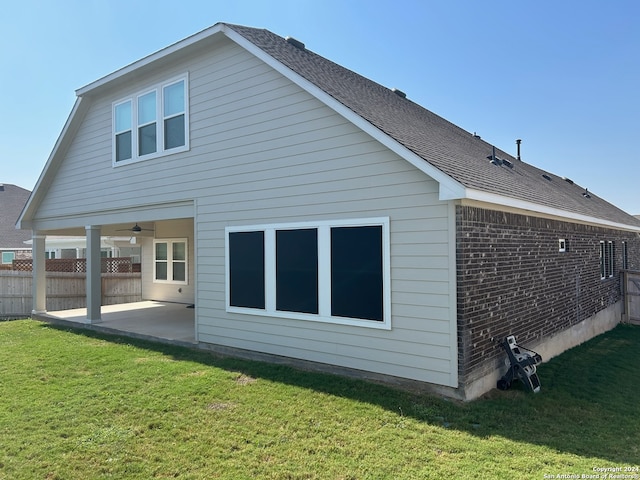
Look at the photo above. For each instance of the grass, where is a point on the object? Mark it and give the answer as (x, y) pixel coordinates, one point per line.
(75, 404)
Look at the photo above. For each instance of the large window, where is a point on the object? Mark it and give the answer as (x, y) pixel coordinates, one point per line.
(327, 271)
(151, 123)
(170, 261)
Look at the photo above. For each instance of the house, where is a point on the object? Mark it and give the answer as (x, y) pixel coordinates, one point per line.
(12, 246)
(312, 214)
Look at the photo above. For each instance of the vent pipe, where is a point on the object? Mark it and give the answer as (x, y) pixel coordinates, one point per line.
(518, 142)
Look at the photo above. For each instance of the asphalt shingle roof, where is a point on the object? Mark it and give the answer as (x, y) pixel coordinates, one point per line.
(449, 148)
(12, 201)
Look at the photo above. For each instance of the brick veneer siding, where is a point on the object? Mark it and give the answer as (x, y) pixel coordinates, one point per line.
(513, 280)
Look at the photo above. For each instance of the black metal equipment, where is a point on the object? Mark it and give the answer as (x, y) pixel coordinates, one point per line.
(522, 366)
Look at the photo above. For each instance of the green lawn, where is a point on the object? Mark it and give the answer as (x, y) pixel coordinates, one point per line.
(76, 404)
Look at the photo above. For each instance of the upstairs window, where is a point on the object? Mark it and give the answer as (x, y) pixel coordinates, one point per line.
(151, 123)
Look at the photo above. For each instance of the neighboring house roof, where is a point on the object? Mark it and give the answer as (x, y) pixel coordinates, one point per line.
(452, 156)
(12, 200)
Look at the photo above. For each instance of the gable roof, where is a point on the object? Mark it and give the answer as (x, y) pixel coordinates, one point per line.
(12, 200)
(452, 150)
(453, 157)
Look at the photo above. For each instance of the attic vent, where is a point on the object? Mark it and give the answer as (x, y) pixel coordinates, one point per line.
(494, 160)
(296, 43)
(585, 194)
(546, 177)
(475, 135)
(400, 93)
(507, 163)
(1, 187)
(568, 180)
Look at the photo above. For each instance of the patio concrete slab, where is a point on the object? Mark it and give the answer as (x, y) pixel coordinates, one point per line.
(153, 320)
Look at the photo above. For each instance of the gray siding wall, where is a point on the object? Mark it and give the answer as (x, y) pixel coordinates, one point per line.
(264, 151)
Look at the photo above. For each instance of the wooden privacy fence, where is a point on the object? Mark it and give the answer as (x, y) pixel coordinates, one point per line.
(631, 285)
(77, 265)
(64, 291)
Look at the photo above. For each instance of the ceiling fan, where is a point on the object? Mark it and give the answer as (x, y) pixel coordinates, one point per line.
(136, 229)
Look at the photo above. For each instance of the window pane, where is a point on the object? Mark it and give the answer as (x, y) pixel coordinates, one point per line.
(147, 108)
(174, 132)
(161, 270)
(179, 271)
(147, 139)
(174, 99)
(123, 117)
(161, 251)
(7, 257)
(246, 269)
(297, 270)
(179, 251)
(123, 146)
(356, 272)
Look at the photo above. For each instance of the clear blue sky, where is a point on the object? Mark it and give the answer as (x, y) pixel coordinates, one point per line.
(564, 76)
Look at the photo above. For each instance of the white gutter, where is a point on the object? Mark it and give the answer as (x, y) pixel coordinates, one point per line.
(493, 198)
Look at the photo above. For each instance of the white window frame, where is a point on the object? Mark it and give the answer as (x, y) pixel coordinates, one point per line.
(8, 253)
(170, 242)
(324, 272)
(607, 259)
(159, 121)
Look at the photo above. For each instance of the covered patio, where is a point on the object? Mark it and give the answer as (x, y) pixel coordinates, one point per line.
(166, 322)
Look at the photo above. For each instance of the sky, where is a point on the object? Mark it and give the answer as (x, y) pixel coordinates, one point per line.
(563, 76)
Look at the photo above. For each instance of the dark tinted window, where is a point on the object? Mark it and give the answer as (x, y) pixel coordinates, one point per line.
(246, 269)
(297, 270)
(174, 132)
(123, 146)
(356, 272)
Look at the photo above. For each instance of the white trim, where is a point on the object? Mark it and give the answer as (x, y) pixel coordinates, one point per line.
(170, 260)
(158, 89)
(324, 273)
(496, 199)
(453, 295)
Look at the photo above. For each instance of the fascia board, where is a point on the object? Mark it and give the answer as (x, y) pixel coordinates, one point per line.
(472, 194)
(449, 188)
(24, 220)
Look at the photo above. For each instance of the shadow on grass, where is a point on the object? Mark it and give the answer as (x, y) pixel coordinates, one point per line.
(589, 404)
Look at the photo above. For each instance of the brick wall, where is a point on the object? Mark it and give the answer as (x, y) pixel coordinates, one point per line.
(513, 280)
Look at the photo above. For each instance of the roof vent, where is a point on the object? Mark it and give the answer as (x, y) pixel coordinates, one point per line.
(546, 177)
(568, 180)
(296, 43)
(507, 163)
(585, 194)
(475, 135)
(1, 187)
(400, 93)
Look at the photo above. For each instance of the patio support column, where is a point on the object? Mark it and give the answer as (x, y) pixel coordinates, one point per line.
(39, 285)
(94, 271)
